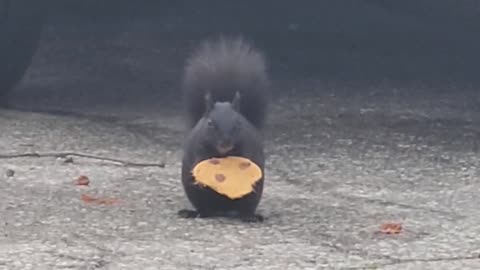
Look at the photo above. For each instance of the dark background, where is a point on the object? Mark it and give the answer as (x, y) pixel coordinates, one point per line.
(432, 41)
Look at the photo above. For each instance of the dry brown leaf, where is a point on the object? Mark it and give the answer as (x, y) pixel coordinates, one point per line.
(391, 228)
(82, 180)
(103, 201)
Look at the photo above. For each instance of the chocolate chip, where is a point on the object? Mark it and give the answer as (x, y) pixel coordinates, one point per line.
(214, 161)
(220, 177)
(244, 165)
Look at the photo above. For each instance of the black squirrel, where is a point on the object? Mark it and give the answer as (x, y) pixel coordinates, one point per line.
(226, 93)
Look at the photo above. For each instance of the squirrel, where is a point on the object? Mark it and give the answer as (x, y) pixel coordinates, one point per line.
(226, 93)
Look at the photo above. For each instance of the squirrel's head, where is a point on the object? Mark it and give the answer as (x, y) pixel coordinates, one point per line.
(223, 122)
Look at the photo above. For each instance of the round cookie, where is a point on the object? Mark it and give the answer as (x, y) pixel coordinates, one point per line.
(231, 176)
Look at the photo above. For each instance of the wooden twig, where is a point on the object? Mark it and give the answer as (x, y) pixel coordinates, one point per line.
(73, 154)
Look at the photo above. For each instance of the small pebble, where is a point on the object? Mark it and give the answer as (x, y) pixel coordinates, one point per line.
(10, 173)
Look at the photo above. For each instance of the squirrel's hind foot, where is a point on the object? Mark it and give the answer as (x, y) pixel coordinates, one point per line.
(255, 218)
(250, 218)
(186, 213)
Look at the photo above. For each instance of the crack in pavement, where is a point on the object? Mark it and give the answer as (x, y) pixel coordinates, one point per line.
(454, 216)
(397, 261)
(96, 263)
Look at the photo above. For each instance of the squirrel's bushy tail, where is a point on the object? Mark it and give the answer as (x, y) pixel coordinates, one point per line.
(223, 67)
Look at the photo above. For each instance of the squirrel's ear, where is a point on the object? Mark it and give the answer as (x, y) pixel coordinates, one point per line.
(236, 101)
(208, 102)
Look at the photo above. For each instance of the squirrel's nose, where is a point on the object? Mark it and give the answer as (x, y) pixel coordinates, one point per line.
(224, 147)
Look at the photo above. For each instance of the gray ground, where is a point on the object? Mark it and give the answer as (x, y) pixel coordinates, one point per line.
(343, 159)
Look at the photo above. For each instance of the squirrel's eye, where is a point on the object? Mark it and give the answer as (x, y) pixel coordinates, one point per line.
(210, 122)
